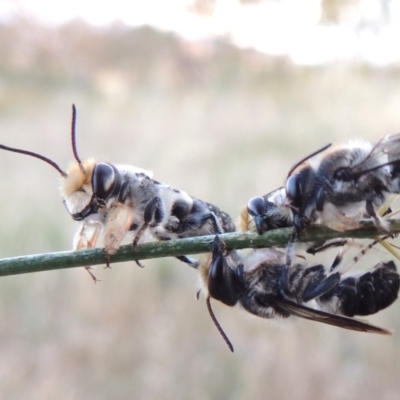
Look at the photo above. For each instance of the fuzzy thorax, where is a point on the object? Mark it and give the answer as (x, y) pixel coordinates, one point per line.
(245, 221)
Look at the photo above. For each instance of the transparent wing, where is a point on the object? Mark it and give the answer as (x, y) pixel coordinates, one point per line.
(286, 306)
(384, 152)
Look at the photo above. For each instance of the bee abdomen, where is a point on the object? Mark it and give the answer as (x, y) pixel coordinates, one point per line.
(371, 292)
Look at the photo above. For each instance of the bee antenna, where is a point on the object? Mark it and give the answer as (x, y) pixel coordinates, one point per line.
(73, 137)
(36, 155)
(307, 157)
(216, 323)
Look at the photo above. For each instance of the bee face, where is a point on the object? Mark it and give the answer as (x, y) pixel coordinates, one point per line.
(87, 187)
(268, 212)
(224, 283)
(76, 187)
(257, 209)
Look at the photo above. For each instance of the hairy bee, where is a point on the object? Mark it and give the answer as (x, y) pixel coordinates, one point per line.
(272, 212)
(114, 200)
(335, 186)
(263, 213)
(265, 286)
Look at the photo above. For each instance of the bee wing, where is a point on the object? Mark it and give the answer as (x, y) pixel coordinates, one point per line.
(286, 306)
(389, 146)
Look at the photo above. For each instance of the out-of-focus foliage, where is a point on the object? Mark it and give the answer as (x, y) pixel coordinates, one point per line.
(224, 125)
(333, 10)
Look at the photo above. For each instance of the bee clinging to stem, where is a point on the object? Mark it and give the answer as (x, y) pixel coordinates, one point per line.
(114, 200)
(262, 284)
(335, 186)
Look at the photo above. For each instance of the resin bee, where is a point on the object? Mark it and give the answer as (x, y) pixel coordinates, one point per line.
(114, 200)
(265, 286)
(335, 186)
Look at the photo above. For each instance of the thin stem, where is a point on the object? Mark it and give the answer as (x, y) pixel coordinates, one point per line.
(173, 248)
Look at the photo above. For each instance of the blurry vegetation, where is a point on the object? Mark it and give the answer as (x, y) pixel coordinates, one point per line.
(79, 54)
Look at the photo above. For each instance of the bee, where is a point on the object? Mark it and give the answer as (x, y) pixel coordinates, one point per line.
(335, 186)
(263, 213)
(114, 200)
(272, 212)
(264, 285)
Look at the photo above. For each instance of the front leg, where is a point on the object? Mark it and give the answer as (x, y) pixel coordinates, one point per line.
(118, 222)
(217, 229)
(86, 238)
(299, 225)
(379, 222)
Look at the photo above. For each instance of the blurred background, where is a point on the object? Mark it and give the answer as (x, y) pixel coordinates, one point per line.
(219, 98)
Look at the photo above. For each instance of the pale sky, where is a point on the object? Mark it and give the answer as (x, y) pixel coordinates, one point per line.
(275, 27)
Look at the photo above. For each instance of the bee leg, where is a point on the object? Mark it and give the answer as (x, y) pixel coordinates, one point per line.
(337, 260)
(379, 222)
(117, 224)
(86, 238)
(108, 261)
(88, 269)
(312, 292)
(299, 224)
(153, 211)
(318, 282)
(217, 226)
(322, 245)
(198, 294)
(291, 250)
(387, 212)
(138, 235)
(190, 261)
(139, 264)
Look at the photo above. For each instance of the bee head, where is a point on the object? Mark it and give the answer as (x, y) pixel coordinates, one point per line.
(224, 282)
(76, 189)
(293, 182)
(86, 185)
(221, 281)
(257, 208)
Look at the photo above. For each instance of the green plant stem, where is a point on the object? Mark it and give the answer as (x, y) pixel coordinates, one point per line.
(195, 245)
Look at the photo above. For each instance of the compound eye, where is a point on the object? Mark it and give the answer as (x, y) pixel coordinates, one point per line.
(293, 189)
(220, 281)
(103, 180)
(256, 206)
